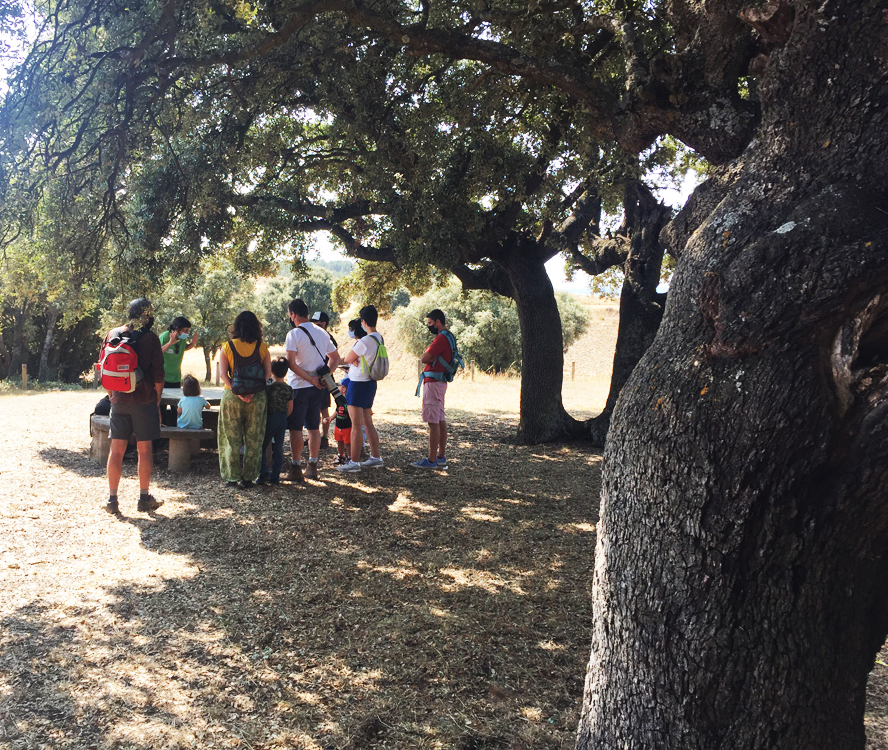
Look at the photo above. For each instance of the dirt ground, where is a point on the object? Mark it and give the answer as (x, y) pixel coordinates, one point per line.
(391, 609)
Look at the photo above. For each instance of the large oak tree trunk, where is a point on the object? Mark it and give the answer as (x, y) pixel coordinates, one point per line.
(742, 554)
(641, 307)
(543, 417)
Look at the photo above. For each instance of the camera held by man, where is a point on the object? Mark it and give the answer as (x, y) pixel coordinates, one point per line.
(324, 375)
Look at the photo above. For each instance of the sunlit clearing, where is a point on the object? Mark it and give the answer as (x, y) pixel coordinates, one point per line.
(409, 507)
(480, 579)
(438, 612)
(399, 573)
(573, 528)
(550, 646)
(480, 514)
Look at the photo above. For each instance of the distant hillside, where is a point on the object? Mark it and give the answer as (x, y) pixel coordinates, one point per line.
(336, 268)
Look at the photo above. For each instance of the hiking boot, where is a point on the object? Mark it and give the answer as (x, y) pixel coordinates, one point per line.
(372, 463)
(425, 464)
(112, 507)
(350, 467)
(246, 484)
(295, 473)
(311, 471)
(147, 503)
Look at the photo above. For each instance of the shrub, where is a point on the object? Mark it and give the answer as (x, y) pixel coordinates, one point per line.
(485, 325)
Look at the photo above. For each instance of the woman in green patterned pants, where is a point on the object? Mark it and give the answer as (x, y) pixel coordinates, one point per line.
(242, 418)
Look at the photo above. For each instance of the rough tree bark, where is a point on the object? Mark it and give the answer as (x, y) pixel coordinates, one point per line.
(20, 318)
(208, 355)
(641, 307)
(52, 317)
(741, 566)
(543, 417)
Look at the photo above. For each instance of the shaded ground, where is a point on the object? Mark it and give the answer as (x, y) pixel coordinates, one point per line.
(394, 609)
(390, 609)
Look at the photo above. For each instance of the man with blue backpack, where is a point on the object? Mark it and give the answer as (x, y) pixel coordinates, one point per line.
(441, 361)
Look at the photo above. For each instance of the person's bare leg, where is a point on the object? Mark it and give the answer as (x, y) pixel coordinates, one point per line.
(356, 415)
(372, 434)
(146, 463)
(434, 431)
(442, 438)
(325, 422)
(115, 465)
(314, 444)
(297, 442)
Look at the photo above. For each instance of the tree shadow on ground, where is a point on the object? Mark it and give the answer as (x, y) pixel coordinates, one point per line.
(394, 608)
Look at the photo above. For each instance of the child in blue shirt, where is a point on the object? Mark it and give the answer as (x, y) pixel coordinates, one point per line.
(191, 405)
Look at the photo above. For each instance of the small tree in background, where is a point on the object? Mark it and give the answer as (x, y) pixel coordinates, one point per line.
(315, 287)
(211, 301)
(485, 325)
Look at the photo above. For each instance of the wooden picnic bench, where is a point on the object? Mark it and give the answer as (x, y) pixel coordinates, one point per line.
(183, 443)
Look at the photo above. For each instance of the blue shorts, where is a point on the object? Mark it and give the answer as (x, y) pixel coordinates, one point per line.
(360, 393)
(306, 409)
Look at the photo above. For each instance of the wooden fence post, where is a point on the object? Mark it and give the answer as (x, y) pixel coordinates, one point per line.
(218, 372)
(573, 370)
(24, 377)
(472, 369)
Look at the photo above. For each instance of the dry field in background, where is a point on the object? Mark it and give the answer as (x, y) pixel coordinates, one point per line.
(390, 609)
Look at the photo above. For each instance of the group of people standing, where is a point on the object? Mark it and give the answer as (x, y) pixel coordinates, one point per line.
(296, 397)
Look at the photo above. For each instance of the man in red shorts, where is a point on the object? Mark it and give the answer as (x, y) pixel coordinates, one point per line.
(434, 386)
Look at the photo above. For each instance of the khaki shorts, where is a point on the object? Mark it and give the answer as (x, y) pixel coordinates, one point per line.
(141, 421)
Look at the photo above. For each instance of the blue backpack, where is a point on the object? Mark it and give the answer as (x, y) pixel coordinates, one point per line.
(456, 361)
(450, 368)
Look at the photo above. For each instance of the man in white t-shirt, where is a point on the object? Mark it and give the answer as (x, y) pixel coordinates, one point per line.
(360, 393)
(307, 345)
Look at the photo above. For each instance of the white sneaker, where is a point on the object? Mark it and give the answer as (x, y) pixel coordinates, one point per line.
(372, 462)
(351, 467)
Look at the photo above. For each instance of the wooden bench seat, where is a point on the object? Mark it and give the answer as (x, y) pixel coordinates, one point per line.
(183, 443)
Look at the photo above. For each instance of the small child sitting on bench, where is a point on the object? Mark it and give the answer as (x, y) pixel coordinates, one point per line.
(191, 405)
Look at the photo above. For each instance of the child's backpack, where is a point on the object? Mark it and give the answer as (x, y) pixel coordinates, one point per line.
(247, 373)
(456, 360)
(379, 367)
(120, 362)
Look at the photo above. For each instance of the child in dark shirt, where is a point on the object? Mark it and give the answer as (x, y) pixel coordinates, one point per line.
(342, 429)
(280, 404)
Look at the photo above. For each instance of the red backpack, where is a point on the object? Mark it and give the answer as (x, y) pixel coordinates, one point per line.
(120, 363)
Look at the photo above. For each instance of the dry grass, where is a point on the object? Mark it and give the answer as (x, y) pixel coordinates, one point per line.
(394, 608)
(391, 609)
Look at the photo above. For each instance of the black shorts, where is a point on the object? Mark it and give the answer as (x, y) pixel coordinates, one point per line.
(139, 420)
(306, 409)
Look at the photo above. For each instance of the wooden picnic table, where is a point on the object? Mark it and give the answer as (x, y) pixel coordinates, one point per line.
(171, 396)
